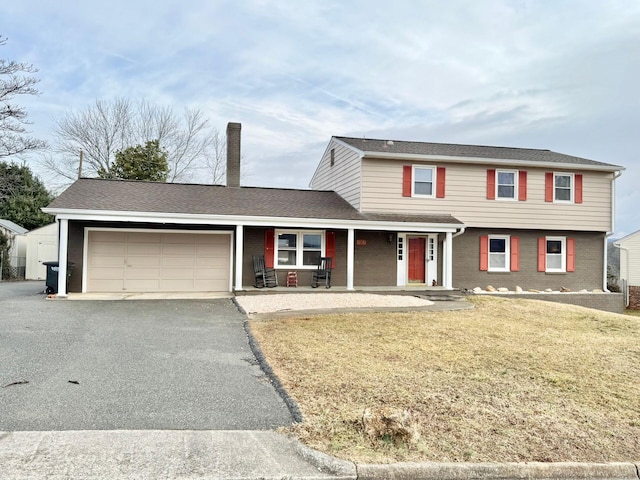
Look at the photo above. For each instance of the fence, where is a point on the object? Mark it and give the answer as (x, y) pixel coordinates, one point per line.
(15, 269)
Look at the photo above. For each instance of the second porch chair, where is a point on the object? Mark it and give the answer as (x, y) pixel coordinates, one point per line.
(323, 273)
(264, 277)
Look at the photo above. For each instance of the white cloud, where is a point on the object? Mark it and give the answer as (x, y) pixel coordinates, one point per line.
(558, 75)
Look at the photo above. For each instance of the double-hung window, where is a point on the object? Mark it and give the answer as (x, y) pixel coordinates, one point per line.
(424, 181)
(506, 184)
(299, 249)
(563, 187)
(556, 254)
(499, 253)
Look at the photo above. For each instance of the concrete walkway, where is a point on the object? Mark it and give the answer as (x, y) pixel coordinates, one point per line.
(212, 455)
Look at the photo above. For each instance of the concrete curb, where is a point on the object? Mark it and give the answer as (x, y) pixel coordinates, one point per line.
(341, 469)
(498, 471)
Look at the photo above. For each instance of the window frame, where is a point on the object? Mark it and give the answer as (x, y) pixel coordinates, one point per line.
(572, 187)
(434, 183)
(563, 255)
(516, 181)
(507, 253)
(299, 248)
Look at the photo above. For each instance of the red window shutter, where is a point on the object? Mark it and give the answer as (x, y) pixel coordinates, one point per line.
(578, 195)
(441, 181)
(522, 185)
(484, 253)
(491, 184)
(548, 187)
(515, 254)
(542, 254)
(406, 180)
(269, 250)
(330, 247)
(571, 254)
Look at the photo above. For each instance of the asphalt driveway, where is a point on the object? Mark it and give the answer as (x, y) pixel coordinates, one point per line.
(149, 364)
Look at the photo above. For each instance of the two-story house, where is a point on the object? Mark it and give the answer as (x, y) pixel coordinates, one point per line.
(534, 218)
(388, 213)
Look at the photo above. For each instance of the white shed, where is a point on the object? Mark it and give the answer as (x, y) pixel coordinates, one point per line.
(42, 246)
(630, 267)
(17, 248)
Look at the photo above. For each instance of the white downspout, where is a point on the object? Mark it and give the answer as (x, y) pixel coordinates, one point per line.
(613, 229)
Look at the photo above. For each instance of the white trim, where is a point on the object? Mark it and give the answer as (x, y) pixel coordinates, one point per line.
(572, 188)
(563, 268)
(239, 252)
(515, 185)
(229, 220)
(447, 269)
(507, 253)
(350, 257)
(63, 248)
(492, 161)
(299, 248)
(401, 259)
(434, 173)
(85, 249)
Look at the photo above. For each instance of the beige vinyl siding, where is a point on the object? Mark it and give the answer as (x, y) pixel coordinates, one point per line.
(343, 177)
(630, 259)
(466, 191)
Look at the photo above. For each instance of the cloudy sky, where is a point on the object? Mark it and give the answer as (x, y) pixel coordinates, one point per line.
(553, 74)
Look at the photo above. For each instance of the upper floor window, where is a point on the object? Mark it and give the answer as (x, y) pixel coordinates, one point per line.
(299, 249)
(506, 186)
(423, 181)
(563, 187)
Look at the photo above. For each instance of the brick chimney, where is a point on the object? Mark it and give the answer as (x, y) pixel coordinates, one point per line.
(233, 154)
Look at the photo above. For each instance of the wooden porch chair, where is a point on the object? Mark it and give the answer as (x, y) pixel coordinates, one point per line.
(264, 277)
(323, 273)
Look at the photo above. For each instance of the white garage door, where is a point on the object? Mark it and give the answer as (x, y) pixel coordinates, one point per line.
(157, 262)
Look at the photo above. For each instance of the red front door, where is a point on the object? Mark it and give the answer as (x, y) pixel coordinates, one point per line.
(416, 260)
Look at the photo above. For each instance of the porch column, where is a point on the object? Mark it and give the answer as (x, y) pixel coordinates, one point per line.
(350, 250)
(62, 257)
(239, 252)
(447, 270)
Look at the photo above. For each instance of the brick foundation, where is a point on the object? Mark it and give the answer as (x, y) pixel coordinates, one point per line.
(634, 298)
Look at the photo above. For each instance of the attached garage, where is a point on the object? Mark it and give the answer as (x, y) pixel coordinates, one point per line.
(120, 260)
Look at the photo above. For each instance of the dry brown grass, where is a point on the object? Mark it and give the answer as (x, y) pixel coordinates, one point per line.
(511, 380)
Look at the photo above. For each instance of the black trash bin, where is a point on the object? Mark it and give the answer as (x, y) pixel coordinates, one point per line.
(52, 275)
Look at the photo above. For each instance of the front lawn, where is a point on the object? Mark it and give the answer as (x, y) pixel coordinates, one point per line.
(511, 380)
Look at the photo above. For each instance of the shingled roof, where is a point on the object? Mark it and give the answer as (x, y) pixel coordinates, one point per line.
(92, 194)
(391, 147)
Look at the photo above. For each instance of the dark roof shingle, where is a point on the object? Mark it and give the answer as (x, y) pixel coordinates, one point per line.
(391, 147)
(94, 194)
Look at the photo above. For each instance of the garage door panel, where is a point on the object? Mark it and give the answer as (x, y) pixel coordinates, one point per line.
(106, 261)
(180, 238)
(140, 261)
(210, 274)
(211, 285)
(157, 262)
(177, 273)
(144, 249)
(111, 237)
(142, 274)
(142, 285)
(171, 262)
(143, 237)
(107, 248)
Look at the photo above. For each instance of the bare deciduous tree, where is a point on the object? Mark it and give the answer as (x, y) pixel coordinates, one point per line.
(109, 126)
(14, 80)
